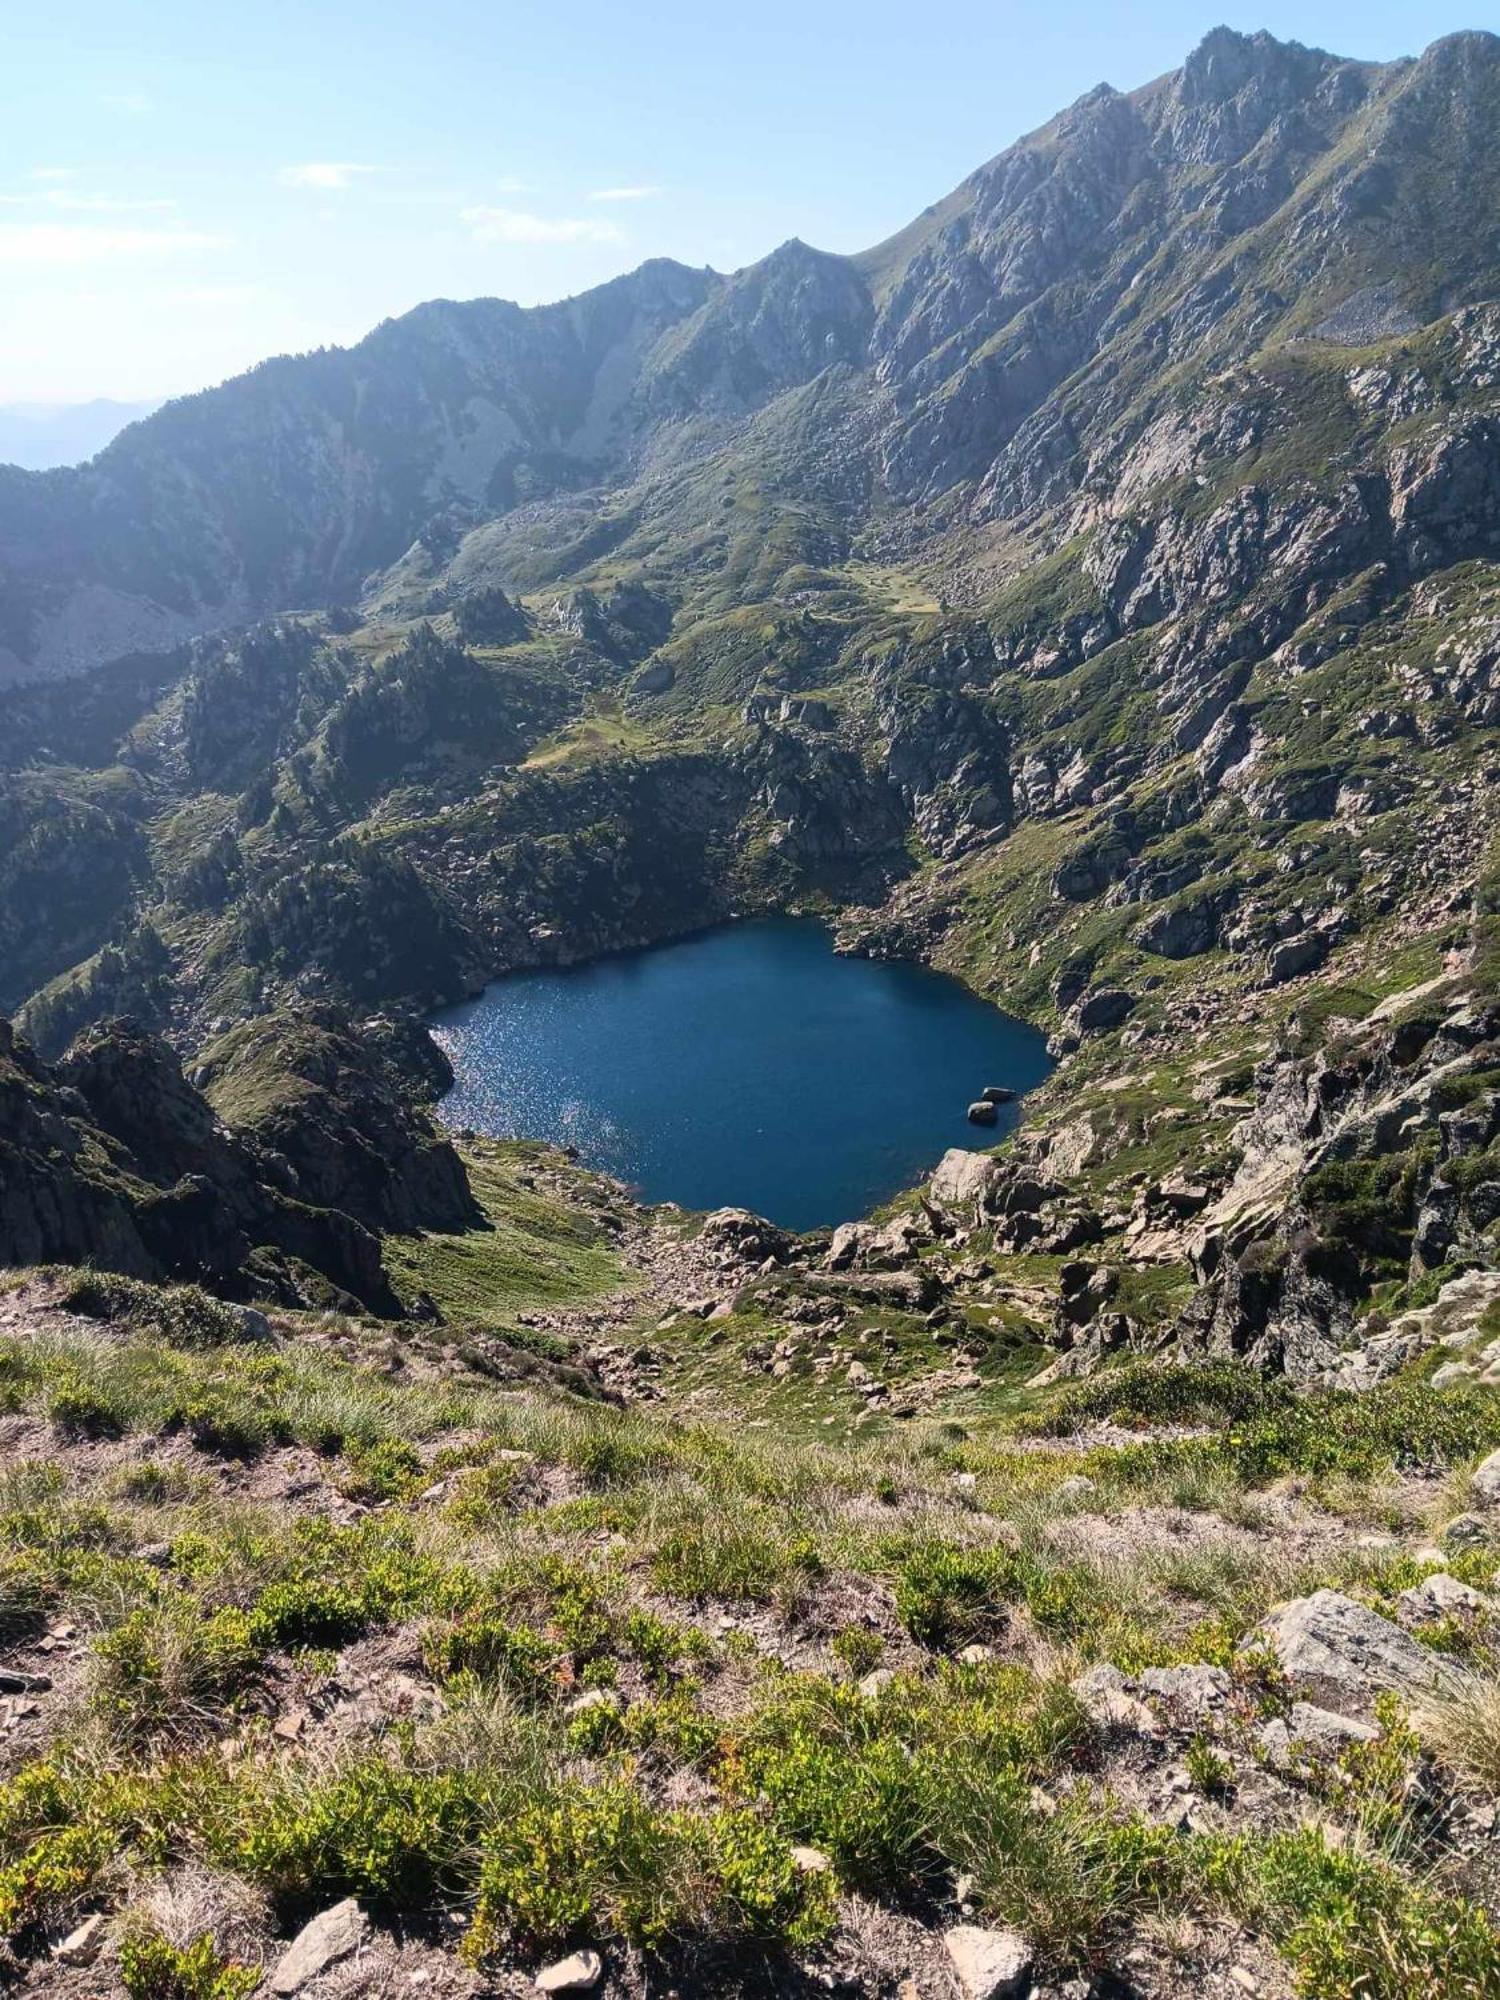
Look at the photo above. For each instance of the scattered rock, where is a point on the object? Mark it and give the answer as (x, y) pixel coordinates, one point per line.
(982, 1112)
(578, 1973)
(990, 1964)
(1440, 1596)
(1105, 1696)
(82, 1946)
(810, 1861)
(963, 1181)
(330, 1936)
(1486, 1481)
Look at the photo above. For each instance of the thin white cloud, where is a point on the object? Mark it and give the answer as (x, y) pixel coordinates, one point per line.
(328, 176)
(90, 243)
(103, 204)
(515, 225)
(134, 103)
(53, 174)
(73, 201)
(212, 297)
(624, 193)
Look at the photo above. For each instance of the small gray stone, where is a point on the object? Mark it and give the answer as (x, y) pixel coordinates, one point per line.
(1321, 1729)
(1198, 1691)
(1468, 1531)
(1108, 1700)
(82, 1947)
(991, 1965)
(1438, 1597)
(594, 1698)
(576, 1974)
(330, 1936)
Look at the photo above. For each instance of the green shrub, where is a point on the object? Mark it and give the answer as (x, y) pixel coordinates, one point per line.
(228, 1426)
(171, 1667)
(180, 1315)
(741, 1558)
(484, 1491)
(1212, 1774)
(81, 1408)
(373, 1829)
(385, 1469)
(601, 1861)
(329, 1584)
(838, 1777)
(594, 1859)
(487, 1645)
(947, 1597)
(858, 1648)
(658, 1645)
(153, 1969)
(1351, 1924)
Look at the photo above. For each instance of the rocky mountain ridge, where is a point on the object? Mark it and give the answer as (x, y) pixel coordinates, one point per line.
(995, 361)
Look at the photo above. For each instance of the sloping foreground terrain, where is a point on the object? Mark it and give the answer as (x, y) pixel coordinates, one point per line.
(1084, 1576)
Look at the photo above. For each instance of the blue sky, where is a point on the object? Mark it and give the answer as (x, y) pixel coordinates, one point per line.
(185, 188)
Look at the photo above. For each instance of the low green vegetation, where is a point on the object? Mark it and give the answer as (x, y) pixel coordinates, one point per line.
(688, 1688)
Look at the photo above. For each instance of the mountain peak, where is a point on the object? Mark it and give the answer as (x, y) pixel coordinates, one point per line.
(1226, 61)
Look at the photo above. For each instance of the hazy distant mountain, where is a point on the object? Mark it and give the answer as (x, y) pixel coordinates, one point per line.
(39, 436)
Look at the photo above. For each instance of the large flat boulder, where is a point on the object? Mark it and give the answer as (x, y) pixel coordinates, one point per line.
(1347, 1654)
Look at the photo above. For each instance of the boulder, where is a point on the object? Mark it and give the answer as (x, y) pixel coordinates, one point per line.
(990, 1964)
(1348, 1653)
(736, 1233)
(1294, 956)
(982, 1112)
(1102, 1008)
(964, 1181)
(1485, 1485)
(998, 1093)
(330, 1936)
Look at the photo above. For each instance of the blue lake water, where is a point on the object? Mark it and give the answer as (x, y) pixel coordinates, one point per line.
(750, 1066)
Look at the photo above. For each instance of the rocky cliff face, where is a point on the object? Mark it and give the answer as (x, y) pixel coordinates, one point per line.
(113, 1158)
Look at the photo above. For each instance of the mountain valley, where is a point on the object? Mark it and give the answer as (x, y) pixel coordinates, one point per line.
(1077, 1578)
